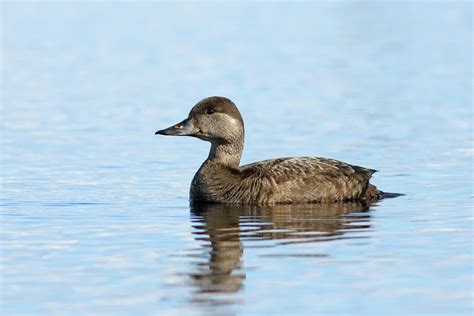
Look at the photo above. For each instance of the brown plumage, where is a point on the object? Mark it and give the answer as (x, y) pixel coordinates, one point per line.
(285, 180)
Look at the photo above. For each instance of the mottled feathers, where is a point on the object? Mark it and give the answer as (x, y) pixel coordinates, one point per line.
(283, 180)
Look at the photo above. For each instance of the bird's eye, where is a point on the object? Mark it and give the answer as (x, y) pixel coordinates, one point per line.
(211, 111)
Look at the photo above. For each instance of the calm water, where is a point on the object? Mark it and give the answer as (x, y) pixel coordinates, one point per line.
(95, 217)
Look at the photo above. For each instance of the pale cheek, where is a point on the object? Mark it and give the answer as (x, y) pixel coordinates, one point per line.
(224, 126)
(233, 122)
(233, 125)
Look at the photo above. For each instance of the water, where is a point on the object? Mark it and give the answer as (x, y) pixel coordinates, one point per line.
(95, 217)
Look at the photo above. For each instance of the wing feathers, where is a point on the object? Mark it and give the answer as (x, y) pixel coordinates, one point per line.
(305, 179)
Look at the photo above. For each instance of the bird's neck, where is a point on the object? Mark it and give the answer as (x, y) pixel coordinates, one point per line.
(227, 154)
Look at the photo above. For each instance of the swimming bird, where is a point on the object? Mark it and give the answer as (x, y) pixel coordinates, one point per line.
(221, 179)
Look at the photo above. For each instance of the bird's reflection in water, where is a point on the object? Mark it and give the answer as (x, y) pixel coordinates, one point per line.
(223, 229)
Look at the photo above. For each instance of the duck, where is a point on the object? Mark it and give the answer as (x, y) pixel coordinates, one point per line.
(289, 180)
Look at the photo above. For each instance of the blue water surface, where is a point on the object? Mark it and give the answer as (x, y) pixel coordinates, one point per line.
(95, 217)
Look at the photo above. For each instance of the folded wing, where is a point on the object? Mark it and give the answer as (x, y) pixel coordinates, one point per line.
(307, 179)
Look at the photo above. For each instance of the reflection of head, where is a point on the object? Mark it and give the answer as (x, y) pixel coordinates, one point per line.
(222, 232)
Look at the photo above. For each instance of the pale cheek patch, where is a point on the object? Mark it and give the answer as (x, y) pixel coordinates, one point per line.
(232, 126)
(232, 121)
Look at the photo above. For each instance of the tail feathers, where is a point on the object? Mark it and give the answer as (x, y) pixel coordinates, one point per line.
(389, 195)
(374, 194)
